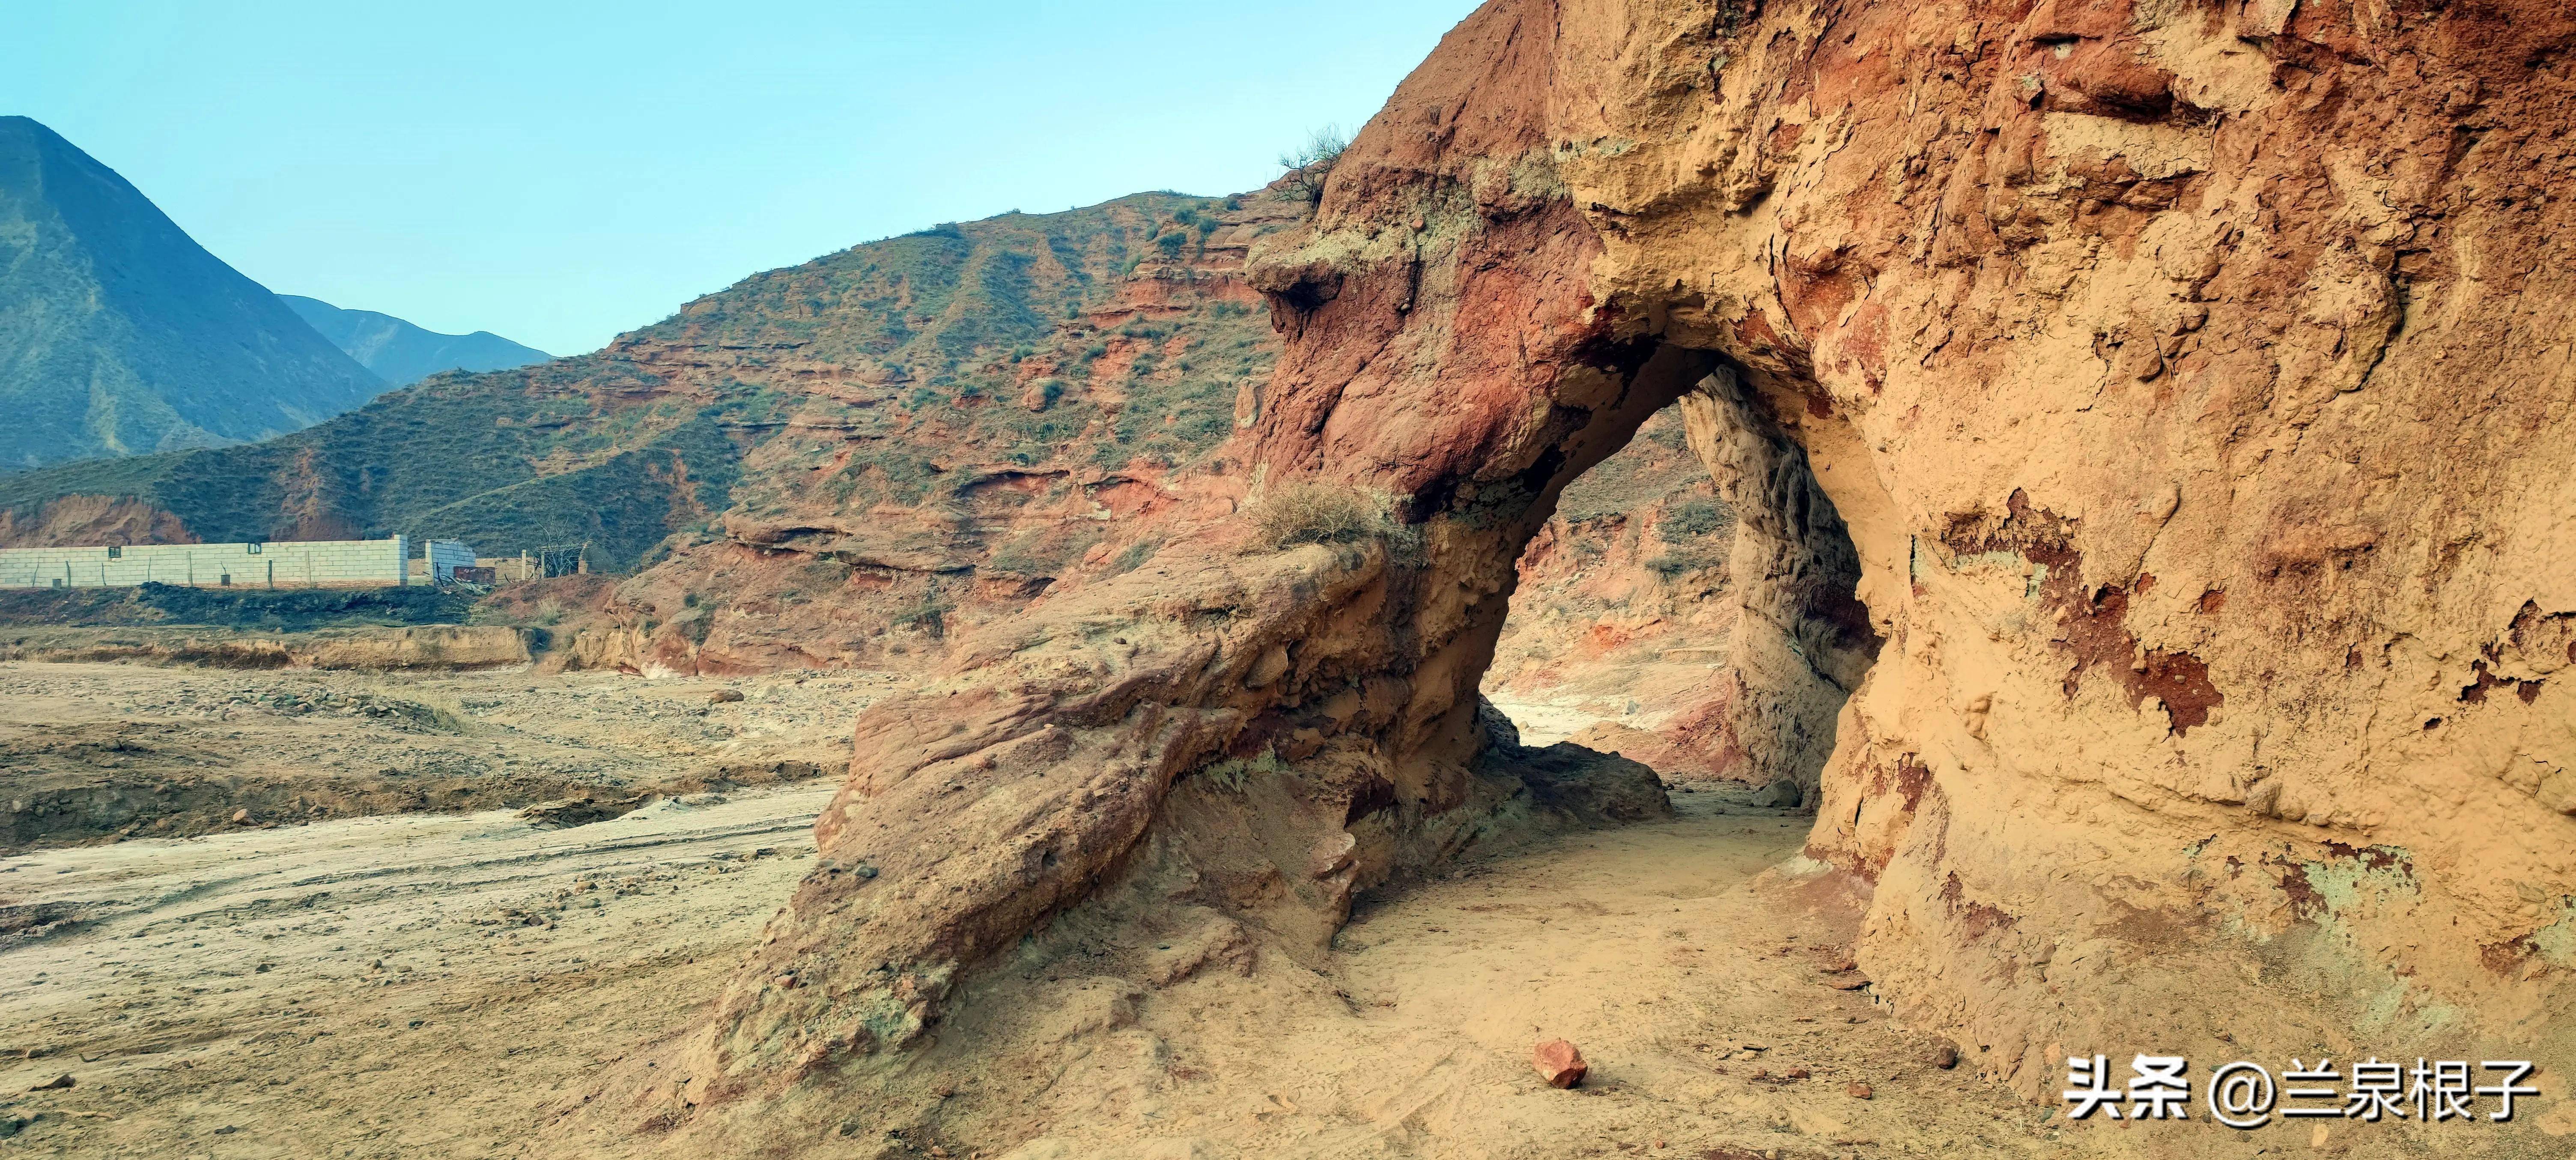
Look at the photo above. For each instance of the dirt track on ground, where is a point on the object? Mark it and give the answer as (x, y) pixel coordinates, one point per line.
(1704, 984)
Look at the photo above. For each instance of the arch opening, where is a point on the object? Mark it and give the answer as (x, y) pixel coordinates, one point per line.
(1689, 597)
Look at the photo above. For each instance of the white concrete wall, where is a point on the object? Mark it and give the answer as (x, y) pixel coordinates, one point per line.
(445, 556)
(301, 564)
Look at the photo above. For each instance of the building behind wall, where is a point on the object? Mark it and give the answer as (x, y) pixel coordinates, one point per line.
(439, 560)
(287, 564)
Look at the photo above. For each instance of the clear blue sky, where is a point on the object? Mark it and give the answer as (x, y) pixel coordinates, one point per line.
(557, 173)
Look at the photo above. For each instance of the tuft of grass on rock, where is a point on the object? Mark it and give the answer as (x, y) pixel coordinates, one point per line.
(1314, 512)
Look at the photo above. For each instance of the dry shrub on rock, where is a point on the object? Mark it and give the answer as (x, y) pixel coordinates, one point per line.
(1314, 512)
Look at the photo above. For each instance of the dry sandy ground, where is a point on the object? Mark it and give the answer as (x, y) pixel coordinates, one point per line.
(427, 986)
(432, 985)
(381, 987)
(89, 751)
(400, 985)
(1698, 980)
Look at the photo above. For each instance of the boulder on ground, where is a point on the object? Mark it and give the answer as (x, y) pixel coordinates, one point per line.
(1559, 1063)
(1593, 787)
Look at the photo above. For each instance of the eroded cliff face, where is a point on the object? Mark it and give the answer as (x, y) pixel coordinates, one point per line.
(2153, 415)
(2177, 370)
(2188, 420)
(960, 439)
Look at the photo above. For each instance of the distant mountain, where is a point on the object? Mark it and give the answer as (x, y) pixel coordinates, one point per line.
(856, 406)
(120, 335)
(401, 353)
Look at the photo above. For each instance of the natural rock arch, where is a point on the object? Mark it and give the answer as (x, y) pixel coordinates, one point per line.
(1347, 672)
(2184, 375)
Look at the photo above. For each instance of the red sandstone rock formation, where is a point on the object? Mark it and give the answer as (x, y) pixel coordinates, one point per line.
(2125, 341)
(2153, 416)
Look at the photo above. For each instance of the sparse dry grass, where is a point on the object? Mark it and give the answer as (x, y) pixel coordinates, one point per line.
(1315, 512)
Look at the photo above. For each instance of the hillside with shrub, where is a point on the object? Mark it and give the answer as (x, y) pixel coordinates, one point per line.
(780, 411)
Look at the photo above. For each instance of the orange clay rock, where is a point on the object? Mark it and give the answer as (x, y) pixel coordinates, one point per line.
(1559, 1063)
(2154, 416)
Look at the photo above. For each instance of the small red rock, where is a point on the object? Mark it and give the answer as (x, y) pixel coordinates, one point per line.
(1559, 1063)
(1859, 1091)
(1945, 1056)
(1799, 1073)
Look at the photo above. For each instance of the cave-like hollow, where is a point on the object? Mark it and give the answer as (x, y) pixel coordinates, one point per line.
(1754, 589)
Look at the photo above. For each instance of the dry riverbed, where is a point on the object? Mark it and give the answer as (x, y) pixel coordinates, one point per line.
(90, 752)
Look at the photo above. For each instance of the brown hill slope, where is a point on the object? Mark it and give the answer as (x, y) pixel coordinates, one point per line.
(1097, 339)
(931, 465)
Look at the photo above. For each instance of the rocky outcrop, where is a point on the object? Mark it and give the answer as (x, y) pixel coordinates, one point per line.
(2146, 413)
(2094, 344)
(1802, 641)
